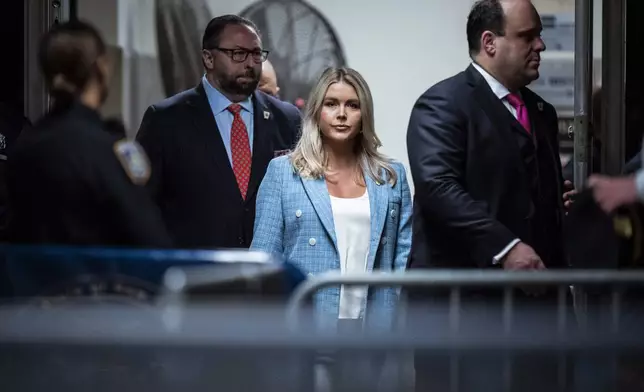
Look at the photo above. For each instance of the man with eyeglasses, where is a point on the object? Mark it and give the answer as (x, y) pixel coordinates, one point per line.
(210, 146)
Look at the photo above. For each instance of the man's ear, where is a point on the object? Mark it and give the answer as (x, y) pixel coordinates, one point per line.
(104, 64)
(207, 59)
(488, 42)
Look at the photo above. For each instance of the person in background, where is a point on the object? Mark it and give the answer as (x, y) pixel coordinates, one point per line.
(300, 103)
(484, 156)
(337, 204)
(210, 145)
(69, 180)
(268, 80)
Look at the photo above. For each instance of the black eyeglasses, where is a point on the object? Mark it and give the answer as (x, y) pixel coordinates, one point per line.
(240, 55)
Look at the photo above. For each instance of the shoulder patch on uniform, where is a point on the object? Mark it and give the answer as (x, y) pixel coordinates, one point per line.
(134, 160)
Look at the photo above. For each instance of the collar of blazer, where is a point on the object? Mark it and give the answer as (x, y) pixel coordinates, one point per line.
(318, 193)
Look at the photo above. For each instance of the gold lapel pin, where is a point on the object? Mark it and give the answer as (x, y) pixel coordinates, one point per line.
(267, 114)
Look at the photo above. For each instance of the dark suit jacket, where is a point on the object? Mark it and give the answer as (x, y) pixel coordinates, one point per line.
(192, 179)
(480, 179)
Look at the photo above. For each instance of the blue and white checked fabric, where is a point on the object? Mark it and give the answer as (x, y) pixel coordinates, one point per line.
(294, 219)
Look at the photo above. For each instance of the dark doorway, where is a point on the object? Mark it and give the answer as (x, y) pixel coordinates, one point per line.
(11, 102)
(634, 98)
(12, 79)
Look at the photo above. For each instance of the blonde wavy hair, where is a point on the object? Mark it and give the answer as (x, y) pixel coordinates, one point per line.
(309, 158)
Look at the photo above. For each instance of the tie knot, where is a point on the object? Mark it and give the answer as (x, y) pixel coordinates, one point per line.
(514, 100)
(234, 108)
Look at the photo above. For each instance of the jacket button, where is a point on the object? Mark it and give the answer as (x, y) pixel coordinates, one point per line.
(312, 241)
(383, 240)
(393, 213)
(241, 240)
(298, 213)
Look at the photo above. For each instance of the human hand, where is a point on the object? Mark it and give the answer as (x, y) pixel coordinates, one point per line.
(613, 192)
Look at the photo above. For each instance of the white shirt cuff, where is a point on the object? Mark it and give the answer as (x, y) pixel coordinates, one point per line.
(501, 255)
(639, 184)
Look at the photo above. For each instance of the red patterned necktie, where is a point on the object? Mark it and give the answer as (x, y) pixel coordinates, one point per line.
(240, 148)
(522, 113)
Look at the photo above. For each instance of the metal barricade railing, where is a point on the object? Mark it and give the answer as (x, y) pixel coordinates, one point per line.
(457, 281)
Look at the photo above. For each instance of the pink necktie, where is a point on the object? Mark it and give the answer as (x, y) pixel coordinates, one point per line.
(522, 113)
(240, 148)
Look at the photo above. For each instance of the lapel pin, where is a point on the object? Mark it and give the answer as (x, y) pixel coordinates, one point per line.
(540, 106)
(267, 114)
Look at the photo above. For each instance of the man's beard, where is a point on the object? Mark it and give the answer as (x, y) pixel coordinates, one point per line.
(233, 86)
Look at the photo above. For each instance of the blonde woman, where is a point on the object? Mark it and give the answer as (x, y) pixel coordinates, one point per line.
(336, 203)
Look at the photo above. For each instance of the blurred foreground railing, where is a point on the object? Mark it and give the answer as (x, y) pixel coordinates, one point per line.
(239, 320)
(512, 313)
(33, 272)
(455, 280)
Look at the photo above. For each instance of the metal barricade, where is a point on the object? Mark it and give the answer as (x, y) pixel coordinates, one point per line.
(455, 280)
(458, 281)
(64, 318)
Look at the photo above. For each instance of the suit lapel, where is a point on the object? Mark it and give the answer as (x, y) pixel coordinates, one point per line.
(264, 127)
(502, 119)
(206, 125)
(318, 193)
(541, 130)
(378, 205)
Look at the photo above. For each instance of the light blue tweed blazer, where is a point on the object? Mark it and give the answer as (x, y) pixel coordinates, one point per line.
(294, 219)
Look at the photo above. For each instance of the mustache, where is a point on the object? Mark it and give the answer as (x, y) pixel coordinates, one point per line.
(250, 73)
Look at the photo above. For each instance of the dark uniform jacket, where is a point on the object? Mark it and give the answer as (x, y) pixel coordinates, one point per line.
(72, 182)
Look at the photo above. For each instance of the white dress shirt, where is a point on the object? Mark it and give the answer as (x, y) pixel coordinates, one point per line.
(501, 92)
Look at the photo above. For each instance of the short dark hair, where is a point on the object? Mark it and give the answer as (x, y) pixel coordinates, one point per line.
(485, 15)
(216, 26)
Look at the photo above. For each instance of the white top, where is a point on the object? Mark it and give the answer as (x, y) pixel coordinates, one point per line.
(352, 220)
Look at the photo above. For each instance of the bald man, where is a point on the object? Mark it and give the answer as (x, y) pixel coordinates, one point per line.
(268, 80)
